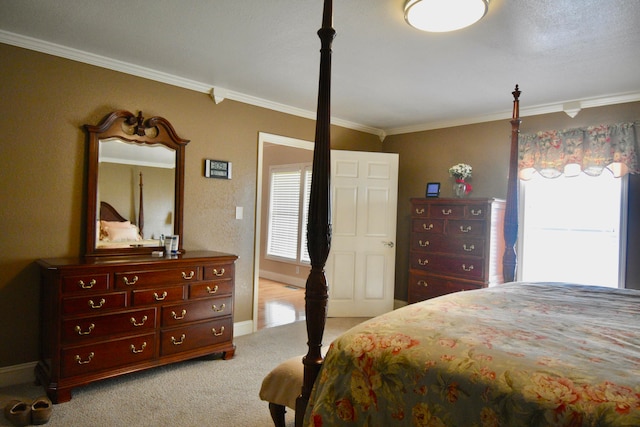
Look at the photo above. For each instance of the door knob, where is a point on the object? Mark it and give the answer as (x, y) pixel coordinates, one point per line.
(390, 244)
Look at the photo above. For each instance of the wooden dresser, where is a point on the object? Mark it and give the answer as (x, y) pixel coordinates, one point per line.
(456, 245)
(107, 316)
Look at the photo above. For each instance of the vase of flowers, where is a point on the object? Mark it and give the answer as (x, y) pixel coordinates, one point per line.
(461, 173)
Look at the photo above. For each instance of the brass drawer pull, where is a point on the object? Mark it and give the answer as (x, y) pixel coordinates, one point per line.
(133, 281)
(190, 276)
(180, 317)
(218, 310)
(218, 273)
(216, 333)
(423, 244)
(476, 212)
(174, 341)
(89, 285)
(420, 211)
(465, 229)
(447, 212)
(212, 291)
(158, 297)
(99, 305)
(135, 323)
(465, 268)
(423, 262)
(133, 348)
(423, 283)
(81, 332)
(469, 248)
(84, 362)
(429, 227)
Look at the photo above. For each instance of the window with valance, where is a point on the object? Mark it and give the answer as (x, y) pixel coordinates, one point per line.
(571, 151)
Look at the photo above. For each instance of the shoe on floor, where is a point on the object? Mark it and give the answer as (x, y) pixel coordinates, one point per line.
(18, 412)
(41, 410)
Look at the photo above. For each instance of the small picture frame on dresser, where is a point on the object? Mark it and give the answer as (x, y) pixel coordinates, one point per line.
(433, 189)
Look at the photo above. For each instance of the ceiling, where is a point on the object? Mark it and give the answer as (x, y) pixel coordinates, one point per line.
(387, 77)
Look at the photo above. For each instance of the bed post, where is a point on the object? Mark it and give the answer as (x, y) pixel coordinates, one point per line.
(509, 260)
(319, 220)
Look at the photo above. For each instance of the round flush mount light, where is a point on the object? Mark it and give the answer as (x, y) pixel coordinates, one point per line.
(444, 15)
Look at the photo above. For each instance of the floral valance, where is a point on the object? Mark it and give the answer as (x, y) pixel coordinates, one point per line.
(589, 150)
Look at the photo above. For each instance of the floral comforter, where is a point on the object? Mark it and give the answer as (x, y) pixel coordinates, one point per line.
(519, 354)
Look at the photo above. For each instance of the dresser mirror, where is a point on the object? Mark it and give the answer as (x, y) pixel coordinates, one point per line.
(135, 185)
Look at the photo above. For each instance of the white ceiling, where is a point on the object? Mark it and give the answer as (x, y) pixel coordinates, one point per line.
(386, 76)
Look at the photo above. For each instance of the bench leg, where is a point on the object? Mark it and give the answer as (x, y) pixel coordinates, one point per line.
(277, 414)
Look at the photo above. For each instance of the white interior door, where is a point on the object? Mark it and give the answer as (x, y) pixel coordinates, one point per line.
(360, 269)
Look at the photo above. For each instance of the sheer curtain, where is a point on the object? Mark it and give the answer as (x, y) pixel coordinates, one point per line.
(571, 151)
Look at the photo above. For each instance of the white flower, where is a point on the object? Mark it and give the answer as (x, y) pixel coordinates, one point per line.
(460, 171)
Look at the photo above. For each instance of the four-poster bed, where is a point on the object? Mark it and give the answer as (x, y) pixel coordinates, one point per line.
(514, 354)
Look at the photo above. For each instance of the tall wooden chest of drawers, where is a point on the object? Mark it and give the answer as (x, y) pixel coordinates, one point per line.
(456, 245)
(106, 316)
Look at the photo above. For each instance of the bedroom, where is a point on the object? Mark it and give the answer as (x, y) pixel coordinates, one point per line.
(43, 169)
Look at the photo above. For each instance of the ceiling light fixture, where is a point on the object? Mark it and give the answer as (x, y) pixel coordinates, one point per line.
(444, 15)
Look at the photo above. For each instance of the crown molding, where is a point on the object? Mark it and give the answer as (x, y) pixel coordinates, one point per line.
(171, 79)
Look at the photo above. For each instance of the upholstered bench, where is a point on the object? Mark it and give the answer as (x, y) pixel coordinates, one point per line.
(282, 386)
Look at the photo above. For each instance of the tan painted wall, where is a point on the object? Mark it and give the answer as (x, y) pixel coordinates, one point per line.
(45, 102)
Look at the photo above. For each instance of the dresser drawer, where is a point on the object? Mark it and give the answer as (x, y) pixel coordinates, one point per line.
(158, 295)
(466, 228)
(427, 242)
(423, 286)
(465, 267)
(139, 279)
(210, 289)
(219, 271)
(104, 355)
(193, 311)
(97, 327)
(447, 211)
(196, 336)
(97, 303)
(434, 226)
(85, 282)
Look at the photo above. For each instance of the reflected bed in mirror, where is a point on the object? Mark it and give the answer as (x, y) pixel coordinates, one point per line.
(135, 184)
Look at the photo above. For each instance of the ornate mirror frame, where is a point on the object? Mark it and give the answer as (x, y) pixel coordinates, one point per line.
(129, 128)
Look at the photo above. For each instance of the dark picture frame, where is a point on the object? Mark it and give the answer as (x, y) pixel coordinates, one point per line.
(433, 189)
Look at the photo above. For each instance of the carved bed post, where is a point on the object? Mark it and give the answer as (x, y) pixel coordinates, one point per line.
(319, 220)
(509, 260)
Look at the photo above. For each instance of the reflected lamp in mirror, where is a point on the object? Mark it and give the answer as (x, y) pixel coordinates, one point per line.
(135, 184)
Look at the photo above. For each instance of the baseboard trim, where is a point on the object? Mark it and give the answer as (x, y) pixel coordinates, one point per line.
(283, 278)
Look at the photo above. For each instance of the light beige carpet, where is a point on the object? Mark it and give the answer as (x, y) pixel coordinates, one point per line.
(200, 392)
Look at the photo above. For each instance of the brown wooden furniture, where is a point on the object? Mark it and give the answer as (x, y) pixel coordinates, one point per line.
(107, 316)
(456, 245)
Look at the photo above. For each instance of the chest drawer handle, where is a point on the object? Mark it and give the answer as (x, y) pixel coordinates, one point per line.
(84, 362)
(81, 332)
(465, 268)
(180, 317)
(133, 348)
(427, 227)
(469, 248)
(99, 305)
(189, 277)
(135, 323)
(476, 212)
(89, 285)
(216, 333)
(423, 262)
(160, 297)
(465, 229)
(420, 211)
(212, 291)
(423, 244)
(447, 212)
(218, 273)
(423, 283)
(133, 281)
(174, 341)
(218, 310)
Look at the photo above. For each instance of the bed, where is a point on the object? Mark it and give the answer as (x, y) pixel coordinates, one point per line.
(529, 354)
(115, 231)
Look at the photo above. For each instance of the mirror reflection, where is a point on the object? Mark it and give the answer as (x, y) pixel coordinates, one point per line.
(135, 194)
